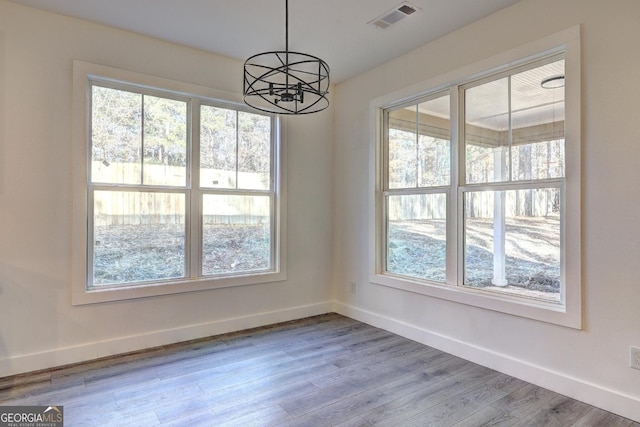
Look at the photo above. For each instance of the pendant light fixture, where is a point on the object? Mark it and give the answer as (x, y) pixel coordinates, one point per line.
(286, 82)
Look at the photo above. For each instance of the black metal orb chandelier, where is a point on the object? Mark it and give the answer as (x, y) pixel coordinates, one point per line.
(286, 82)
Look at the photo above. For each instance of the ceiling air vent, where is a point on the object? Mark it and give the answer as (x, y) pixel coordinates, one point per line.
(394, 15)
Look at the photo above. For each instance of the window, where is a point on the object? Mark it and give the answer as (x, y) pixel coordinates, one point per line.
(137, 188)
(477, 195)
(182, 191)
(513, 161)
(418, 177)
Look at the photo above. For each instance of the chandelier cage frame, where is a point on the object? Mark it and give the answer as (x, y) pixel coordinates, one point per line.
(286, 82)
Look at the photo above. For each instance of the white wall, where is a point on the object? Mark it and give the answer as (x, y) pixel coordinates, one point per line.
(39, 327)
(591, 364)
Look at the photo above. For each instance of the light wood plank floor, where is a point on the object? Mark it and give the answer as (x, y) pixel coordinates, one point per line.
(322, 371)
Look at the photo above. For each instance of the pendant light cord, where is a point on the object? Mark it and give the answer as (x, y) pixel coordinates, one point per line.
(286, 41)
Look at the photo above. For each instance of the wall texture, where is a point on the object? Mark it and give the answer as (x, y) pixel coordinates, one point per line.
(591, 364)
(39, 327)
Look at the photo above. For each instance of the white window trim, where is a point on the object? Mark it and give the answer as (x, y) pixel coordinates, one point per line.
(80, 295)
(568, 314)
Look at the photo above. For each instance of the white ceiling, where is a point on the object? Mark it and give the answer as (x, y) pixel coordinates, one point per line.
(334, 30)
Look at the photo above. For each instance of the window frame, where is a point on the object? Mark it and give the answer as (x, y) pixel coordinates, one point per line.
(510, 183)
(84, 76)
(569, 312)
(387, 192)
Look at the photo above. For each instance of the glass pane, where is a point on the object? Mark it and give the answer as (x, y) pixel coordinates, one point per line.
(254, 151)
(433, 142)
(116, 136)
(138, 237)
(236, 234)
(218, 147)
(538, 160)
(403, 148)
(165, 141)
(538, 124)
(416, 239)
(512, 242)
(487, 132)
(419, 145)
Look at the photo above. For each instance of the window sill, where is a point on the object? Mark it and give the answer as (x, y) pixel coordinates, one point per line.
(95, 295)
(564, 315)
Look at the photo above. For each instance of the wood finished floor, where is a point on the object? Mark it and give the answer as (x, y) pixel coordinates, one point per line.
(322, 371)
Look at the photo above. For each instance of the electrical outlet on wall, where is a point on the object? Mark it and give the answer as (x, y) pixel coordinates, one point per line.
(634, 357)
(353, 287)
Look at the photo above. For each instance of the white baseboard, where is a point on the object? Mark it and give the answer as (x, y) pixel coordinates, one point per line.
(593, 394)
(64, 356)
(576, 388)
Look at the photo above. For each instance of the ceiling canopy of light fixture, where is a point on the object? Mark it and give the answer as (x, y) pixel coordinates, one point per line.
(286, 82)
